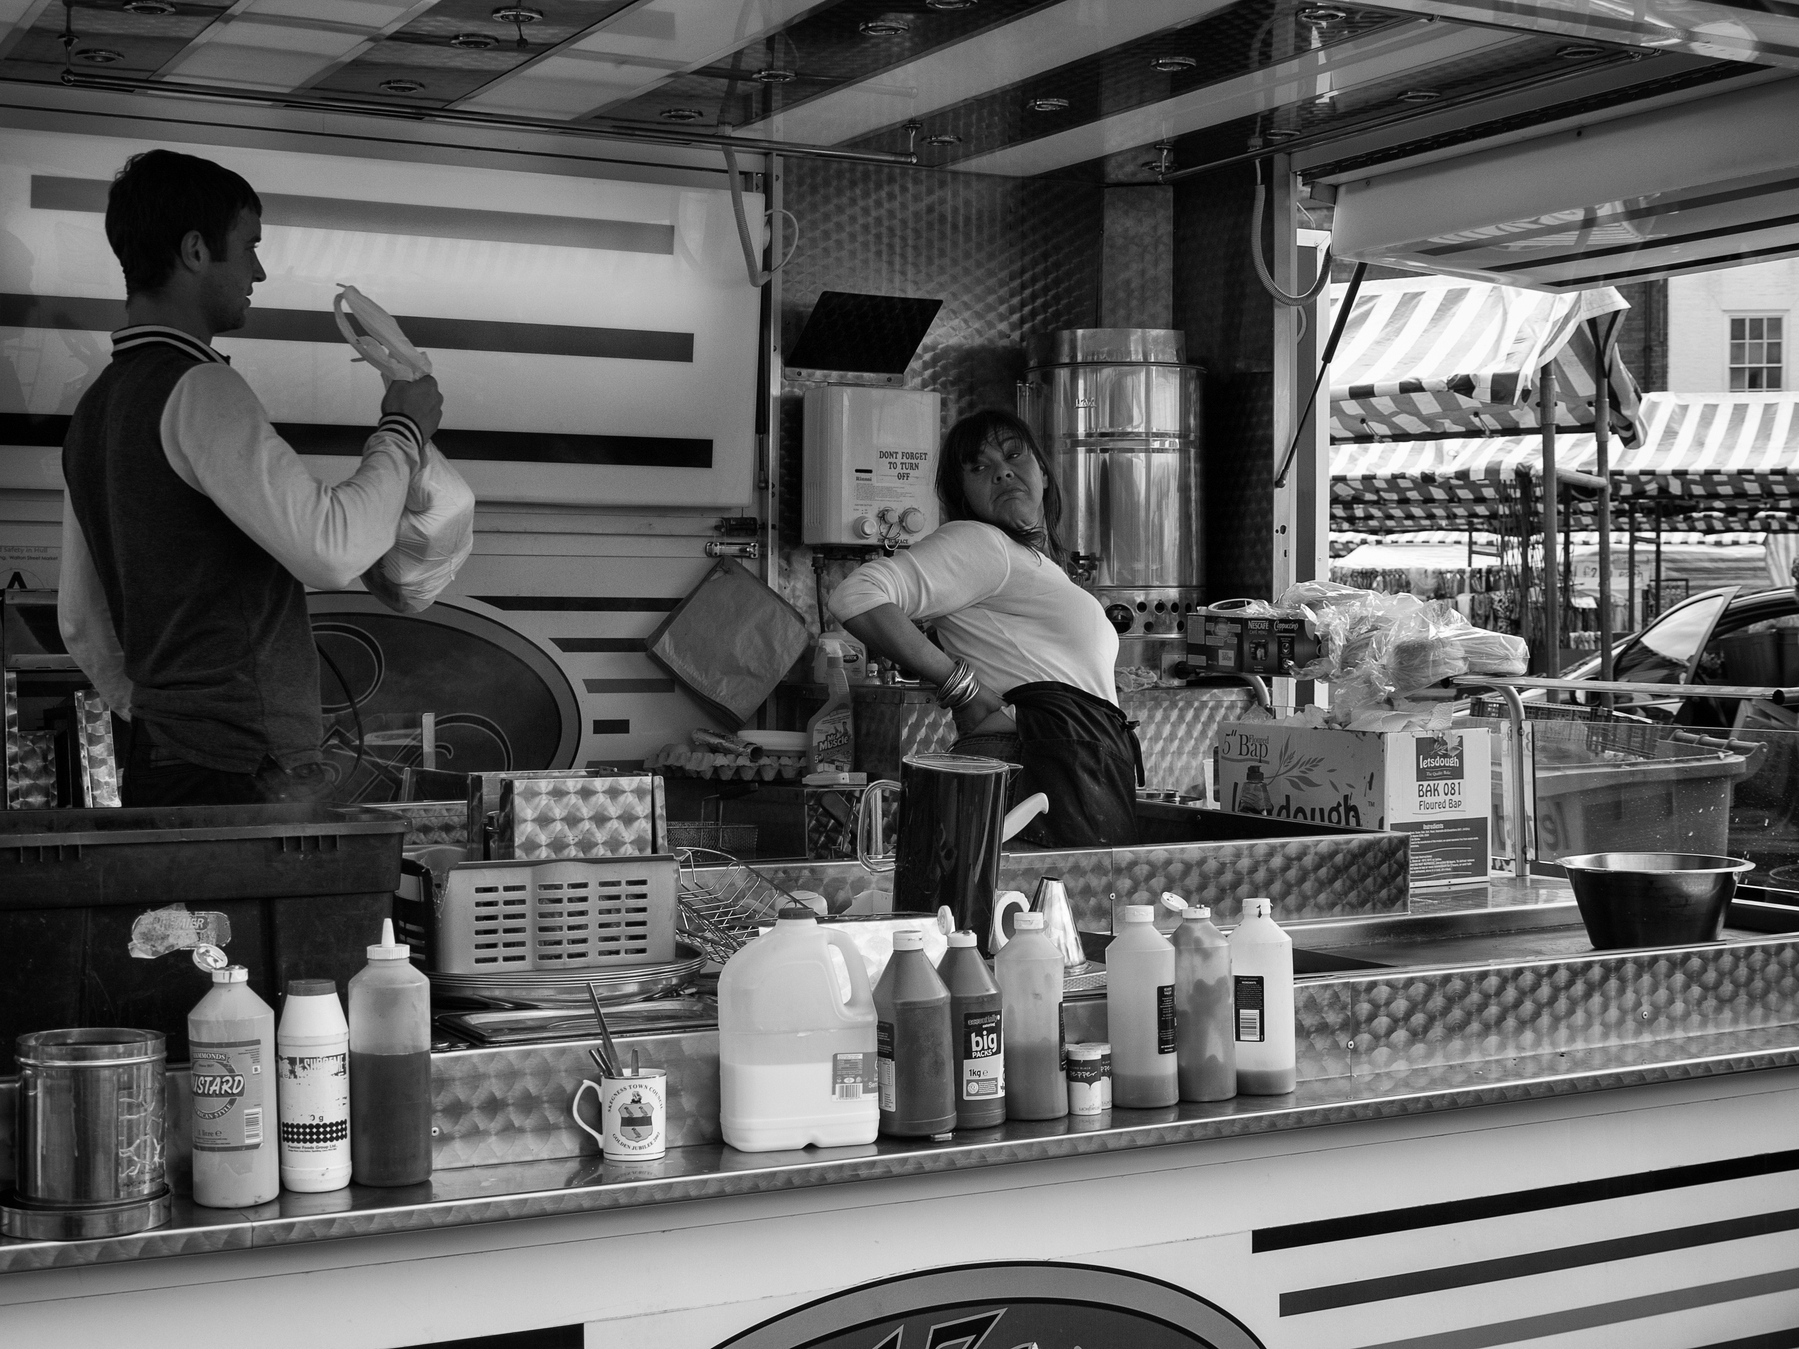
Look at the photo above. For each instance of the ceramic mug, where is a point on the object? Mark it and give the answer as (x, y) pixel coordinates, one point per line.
(633, 1114)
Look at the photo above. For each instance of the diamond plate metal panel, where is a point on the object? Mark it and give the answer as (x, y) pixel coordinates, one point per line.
(429, 822)
(96, 759)
(30, 758)
(575, 817)
(1178, 727)
(1404, 1020)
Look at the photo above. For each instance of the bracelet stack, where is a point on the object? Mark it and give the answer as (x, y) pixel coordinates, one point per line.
(959, 689)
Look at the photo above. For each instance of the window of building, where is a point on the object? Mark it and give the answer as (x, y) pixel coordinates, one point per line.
(1756, 359)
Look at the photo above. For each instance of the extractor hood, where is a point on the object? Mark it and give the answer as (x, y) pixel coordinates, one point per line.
(1707, 184)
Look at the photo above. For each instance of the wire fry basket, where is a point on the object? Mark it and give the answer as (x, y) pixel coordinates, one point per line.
(721, 902)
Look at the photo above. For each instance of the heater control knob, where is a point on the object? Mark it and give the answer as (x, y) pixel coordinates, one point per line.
(911, 520)
(1121, 616)
(865, 528)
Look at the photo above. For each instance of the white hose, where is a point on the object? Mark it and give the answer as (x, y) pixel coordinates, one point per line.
(1255, 253)
(758, 277)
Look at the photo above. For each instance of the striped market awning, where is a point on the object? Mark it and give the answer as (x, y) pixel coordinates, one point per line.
(1709, 463)
(1435, 357)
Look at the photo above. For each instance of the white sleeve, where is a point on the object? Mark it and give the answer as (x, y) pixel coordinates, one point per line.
(85, 617)
(945, 572)
(219, 441)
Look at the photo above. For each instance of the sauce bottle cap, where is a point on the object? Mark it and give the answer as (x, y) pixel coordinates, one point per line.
(908, 939)
(231, 974)
(1028, 922)
(1198, 911)
(311, 988)
(389, 949)
(961, 939)
(1139, 913)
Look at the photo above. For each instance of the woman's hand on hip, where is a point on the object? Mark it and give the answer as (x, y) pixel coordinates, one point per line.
(982, 714)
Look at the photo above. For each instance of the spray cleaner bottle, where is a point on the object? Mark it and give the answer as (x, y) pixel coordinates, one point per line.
(231, 1046)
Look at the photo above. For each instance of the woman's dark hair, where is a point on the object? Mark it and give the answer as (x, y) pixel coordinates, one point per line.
(962, 447)
(158, 197)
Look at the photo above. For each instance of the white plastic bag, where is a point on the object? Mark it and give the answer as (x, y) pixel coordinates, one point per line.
(437, 528)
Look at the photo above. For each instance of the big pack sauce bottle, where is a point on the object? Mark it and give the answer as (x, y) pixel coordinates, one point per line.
(231, 1045)
(977, 1022)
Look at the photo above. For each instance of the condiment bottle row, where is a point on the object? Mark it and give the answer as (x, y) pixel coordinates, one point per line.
(811, 1054)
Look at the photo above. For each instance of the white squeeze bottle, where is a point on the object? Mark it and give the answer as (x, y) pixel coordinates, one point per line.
(796, 1050)
(1262, 993)
(231, 1045)
(1028, 970)
(1205, 1019)
(312, 1074)
(1140, 1013)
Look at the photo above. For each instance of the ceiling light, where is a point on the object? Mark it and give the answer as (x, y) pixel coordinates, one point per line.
(1280, 134)
(1421, 96)
(475, 42)
(888, 27)
(516, 14)
(1173, 65)
(1048, 105)
(949, 6)
(402, 86)
(1579, 51)
(774, 75)
(943, 138)
(1321, 14)
(680, 114)
(100, 56)
(149, 7)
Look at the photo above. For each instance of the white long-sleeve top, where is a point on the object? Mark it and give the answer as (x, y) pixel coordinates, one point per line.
(218, 440)
(1007, 610)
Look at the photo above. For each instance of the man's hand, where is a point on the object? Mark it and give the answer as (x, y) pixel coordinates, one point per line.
(419, 399)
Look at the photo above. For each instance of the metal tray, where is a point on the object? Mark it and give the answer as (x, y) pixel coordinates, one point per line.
(527, 988)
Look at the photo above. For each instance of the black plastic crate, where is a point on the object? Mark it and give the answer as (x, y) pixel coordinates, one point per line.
(305, 888)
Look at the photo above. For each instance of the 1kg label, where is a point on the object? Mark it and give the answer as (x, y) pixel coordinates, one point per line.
(983, 1057)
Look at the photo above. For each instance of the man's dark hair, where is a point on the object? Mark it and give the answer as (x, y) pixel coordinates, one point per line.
(962, 447)
(157, 198)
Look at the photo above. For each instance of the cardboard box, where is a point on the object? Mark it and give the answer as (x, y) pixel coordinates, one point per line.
(1437, 787)
(1232, 643)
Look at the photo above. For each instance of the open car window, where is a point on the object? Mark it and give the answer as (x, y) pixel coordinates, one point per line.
(1670, 646)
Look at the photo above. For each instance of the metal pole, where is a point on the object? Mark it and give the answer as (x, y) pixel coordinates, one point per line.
(1630, 521)
(1602, 467)
(1661, 604)
(1552, 572)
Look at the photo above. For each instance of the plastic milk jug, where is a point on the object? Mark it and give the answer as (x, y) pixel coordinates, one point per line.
(796, 1040)
(1262, 993)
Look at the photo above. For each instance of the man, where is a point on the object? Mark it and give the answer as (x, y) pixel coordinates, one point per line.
(190, 527)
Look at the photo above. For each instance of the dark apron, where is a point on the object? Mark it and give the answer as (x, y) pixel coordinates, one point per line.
(1082, 753)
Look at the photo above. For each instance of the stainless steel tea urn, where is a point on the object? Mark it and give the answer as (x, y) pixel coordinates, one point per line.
(90, 1139)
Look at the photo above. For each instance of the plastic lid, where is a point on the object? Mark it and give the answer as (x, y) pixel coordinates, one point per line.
(311, 988)
(1028, 922)
(1258, 908)
(1091, 1050)
(1198, 911)
(961, 939)
(908, 939)
(797, 912)
(389, 949)
(231, 974)
(1139, 913)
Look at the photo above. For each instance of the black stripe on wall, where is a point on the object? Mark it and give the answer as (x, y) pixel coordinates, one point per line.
(50, 193)
(620, 727)
(579, 604)
(577, 645)
(1349, 1228)
(507, 447)
(1535, 1262)
(629, 685)
(517, 447)
(74, 312)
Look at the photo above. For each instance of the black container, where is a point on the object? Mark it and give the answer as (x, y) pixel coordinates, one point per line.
(1652, 898)
(952, 813)
(305, 888)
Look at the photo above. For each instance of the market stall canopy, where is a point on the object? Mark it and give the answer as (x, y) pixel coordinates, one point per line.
(1434, 357)
(1706, 462)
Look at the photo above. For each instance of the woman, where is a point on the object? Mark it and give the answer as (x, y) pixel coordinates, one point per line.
(1016, 632)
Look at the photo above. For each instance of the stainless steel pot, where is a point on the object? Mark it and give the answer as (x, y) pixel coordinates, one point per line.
(1652, 898)
(90, 1137)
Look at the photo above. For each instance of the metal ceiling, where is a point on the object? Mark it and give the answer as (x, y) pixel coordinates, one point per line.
(1118, 91)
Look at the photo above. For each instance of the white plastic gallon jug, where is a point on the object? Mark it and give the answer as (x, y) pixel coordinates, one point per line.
(796, 1061)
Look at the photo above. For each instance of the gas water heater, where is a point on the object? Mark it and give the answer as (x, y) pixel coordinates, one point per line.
(870, 465)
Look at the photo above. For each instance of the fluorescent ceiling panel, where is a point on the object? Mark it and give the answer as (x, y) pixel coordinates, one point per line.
(1316, 74)
(1011, 54)
(632, 52)
(287, 44)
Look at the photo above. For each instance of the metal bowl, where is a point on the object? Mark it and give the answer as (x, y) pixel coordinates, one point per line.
(1652, 898)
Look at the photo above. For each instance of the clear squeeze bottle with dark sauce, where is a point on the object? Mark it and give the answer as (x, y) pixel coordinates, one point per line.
(916, 1051)
(390, 1068)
